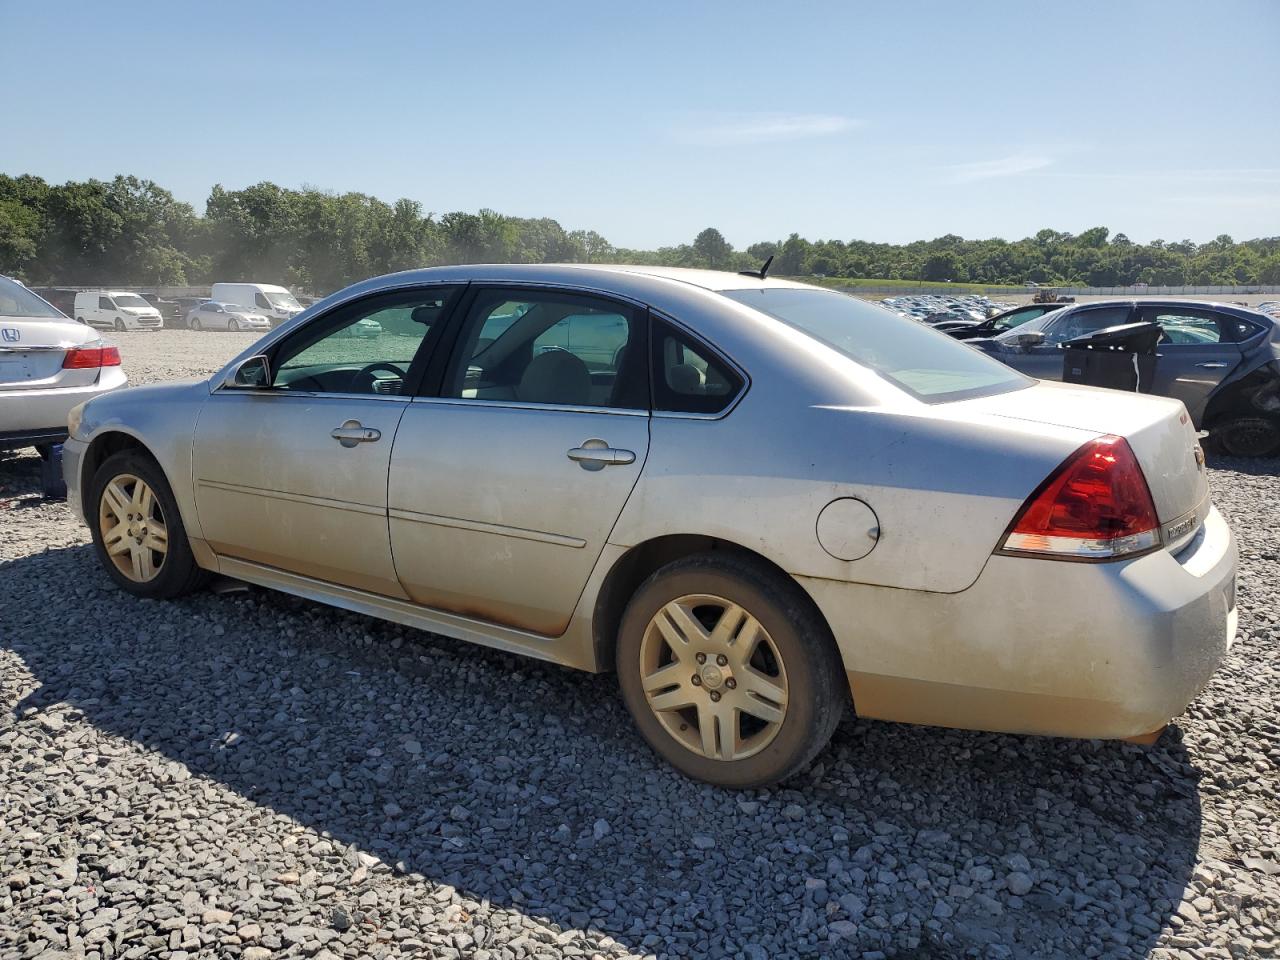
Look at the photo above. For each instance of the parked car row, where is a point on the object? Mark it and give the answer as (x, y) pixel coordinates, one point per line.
(934, 308)
(128, 310)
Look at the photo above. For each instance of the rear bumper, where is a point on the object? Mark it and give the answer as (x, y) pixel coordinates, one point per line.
(44, 412)
(1109, 650)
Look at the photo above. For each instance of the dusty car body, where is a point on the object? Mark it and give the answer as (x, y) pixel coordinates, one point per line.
(1221, 360)
(752, 499)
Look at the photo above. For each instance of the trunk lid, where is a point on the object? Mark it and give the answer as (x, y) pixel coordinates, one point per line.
(1158, 429)
(32, 351)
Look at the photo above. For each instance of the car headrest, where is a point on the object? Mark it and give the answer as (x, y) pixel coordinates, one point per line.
(685, 378)
(556, 376)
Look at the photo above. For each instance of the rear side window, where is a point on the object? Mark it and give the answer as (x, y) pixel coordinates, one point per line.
(1180, 326)
(687, 376)
(924, 362)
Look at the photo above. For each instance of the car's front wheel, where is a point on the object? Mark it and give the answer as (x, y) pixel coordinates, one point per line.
(137, 530)
(729, 671)
(119, 325)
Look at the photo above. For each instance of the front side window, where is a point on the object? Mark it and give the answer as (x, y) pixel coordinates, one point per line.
(262, 301)
(104, 303)
(1017, 318)
(1079, 323)
(369, 348)
(688, 377)
(924, 362)
(553, 348)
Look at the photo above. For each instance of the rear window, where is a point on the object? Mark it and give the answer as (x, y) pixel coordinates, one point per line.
(927, 364)
(17, 301)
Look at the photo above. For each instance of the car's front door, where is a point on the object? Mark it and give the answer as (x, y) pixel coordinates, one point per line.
(505, 486)
(294, 476)
(1045, 361)
(1197, 350)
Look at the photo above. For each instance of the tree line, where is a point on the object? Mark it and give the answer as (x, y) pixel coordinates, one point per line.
(132, 231)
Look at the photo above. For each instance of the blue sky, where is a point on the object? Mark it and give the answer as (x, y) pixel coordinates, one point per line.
(886, 121)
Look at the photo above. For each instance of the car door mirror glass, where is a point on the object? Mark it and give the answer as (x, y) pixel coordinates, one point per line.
(254, 374)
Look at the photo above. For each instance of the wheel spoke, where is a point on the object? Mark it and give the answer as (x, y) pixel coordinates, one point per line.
(115, 540)
(762, 697)
(670, 675)
(117, 500)
(677, 699)
(144, 499)
(157, 537)
(718, 726)
(678, 625)
(708, 727)
(727, 626)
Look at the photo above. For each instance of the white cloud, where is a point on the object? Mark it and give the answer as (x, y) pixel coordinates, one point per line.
(763, 128)
(1010, 166)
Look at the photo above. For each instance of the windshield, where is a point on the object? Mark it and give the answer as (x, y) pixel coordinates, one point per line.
(926, 363)
(17, 301)
(130, 300)
(282, 299)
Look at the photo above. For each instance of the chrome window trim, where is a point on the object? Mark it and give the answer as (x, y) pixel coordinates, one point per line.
(523, 405)
(306, 394)
(715, 352)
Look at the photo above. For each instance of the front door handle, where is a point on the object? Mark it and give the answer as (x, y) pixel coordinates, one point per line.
(595, 454)
(353, 432)
(1211, 366)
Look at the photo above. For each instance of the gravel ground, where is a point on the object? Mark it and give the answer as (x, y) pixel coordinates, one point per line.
(249, 775)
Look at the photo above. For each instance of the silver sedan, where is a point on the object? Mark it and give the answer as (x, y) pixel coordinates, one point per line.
(760, 503)
(217, 315)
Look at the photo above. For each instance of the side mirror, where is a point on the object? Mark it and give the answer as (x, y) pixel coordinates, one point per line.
(254, 374)
(1032, 338)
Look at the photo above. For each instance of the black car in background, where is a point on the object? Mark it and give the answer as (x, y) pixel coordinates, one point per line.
(998, 324)
(1222, 361)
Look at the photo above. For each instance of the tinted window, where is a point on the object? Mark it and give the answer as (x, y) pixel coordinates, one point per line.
(262, 301)
(924, 362)
(368, 348)
(550, 347)
(688, 377)
(1180, 326)
(1076, 323)
(1017, 318)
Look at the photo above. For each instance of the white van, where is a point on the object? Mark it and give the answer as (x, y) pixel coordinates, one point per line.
(276, 303)
(117, 309)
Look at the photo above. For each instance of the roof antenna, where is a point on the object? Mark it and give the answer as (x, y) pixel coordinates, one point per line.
(760, 275)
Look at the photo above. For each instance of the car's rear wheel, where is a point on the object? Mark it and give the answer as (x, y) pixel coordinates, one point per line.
(1249, 437)
(137, 530)
(195, 323)
(729, 671)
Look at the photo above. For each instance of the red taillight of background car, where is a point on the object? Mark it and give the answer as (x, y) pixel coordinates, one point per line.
(1096, 506)
(89, 358)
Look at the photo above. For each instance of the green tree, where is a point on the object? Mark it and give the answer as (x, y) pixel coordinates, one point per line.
(711, 249)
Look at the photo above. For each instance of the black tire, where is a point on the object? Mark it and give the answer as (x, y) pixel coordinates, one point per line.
(82, 320)
(1248, 437)
(119, 325)
(178, 574)
(818, 692)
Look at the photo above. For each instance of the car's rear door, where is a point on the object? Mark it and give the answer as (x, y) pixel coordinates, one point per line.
(506, 483)
(294, 476)
(1197, 351)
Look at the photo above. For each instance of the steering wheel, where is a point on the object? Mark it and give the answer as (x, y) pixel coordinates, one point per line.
(362, 380)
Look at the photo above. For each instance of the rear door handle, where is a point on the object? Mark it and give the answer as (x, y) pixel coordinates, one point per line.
(1213, 365)
(353, 432)
(595, 454)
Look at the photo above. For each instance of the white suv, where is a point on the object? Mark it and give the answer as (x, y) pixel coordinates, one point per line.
(48, 364)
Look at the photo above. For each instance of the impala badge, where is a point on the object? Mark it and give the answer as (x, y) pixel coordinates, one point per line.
(11, 334)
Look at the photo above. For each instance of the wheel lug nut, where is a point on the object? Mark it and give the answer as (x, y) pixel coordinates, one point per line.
(702, 658)
(715, 695)
(696, 680)
(722, 660)
(731, 683)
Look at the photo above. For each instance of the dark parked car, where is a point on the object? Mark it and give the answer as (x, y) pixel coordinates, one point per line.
(994, 326)
(1222, 361)
(183, 307)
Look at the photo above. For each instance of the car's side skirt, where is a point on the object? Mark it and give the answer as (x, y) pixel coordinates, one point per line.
(569, 650)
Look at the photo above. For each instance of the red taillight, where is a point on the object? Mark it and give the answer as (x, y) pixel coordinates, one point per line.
(1096, 506)
(89, 358)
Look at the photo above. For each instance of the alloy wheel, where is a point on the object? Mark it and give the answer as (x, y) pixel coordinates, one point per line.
(133, 528)
(713, 677)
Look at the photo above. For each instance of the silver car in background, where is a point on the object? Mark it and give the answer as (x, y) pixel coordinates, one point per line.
(756, 501)
(48, 365)
(217, 315)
